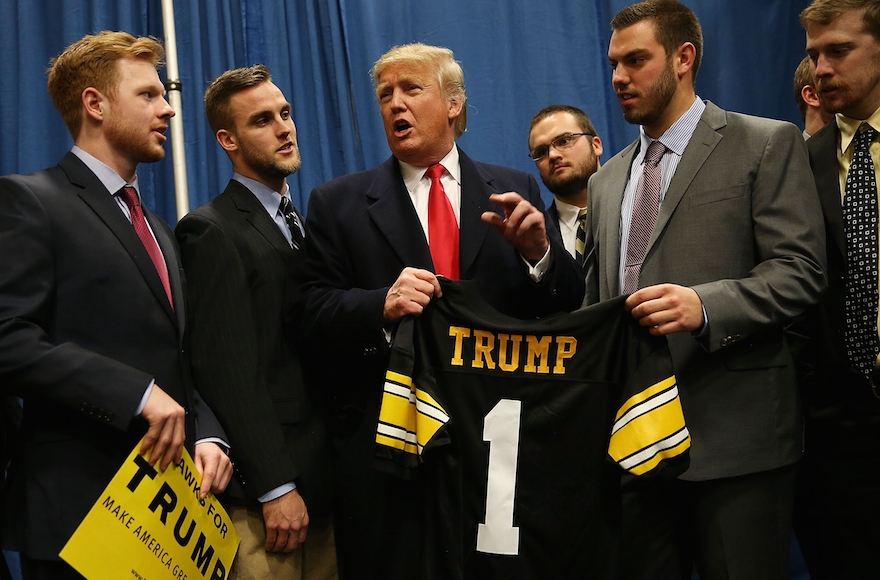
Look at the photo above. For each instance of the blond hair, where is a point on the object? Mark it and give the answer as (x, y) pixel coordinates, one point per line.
(449, 73)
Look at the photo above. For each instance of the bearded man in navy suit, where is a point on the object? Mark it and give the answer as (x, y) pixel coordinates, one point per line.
(371, 261)
(92, 311)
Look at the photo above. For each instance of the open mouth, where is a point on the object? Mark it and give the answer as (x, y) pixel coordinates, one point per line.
(401, 127)
(160, 131)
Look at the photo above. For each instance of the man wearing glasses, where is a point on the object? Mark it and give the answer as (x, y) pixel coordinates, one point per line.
(565, 162)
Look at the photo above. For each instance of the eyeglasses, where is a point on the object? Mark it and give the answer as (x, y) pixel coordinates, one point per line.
(564, 141)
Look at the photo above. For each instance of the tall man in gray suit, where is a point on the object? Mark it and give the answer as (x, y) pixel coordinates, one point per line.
(839, 481)
(718, 238)
(242, 252)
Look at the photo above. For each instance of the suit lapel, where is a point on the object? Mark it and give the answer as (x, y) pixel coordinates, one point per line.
(703, 141)
(258, 218)
(391, 209)
(475, 191)
(823, 157)
(553, 212)
(609, 257)
(96, 196)
(175, 279)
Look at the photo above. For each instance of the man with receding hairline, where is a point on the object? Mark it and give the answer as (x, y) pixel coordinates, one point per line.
(377, 240)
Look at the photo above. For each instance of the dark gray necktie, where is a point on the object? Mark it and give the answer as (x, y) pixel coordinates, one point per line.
(644, 216)
(860, 227)
(292, 219)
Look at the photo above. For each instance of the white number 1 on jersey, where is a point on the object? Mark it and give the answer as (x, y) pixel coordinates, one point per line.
(501, 430)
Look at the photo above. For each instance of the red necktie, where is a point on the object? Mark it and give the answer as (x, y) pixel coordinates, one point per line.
(130, 197)
(442, 228)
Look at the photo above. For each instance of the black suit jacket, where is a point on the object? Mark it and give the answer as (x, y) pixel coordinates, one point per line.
(553, 213)
(84, 326)
(824, 361)
(363, 231)
(245, 360)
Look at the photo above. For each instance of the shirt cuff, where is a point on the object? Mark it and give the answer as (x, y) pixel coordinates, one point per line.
(539, 268)
(277, 492)
(146, 396)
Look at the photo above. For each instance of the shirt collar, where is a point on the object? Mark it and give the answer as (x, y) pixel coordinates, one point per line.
(848, 127)
(568, 213)
(412, 174)
(268, 197)
(676, 137)
(108, 178)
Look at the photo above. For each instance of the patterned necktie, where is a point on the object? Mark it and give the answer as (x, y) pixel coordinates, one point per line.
(130, 197)
(580, 242)
(860, 227)
(644, 216)
(442, 227)
(286, 209)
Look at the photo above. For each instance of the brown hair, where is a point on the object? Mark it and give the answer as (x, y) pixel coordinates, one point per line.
(824, 11)
(91, 62)
(580, 117)
(220, 92)
(803, 76)
(449, 72)
(674, 24)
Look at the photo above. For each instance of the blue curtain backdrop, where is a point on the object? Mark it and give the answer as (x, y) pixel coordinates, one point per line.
(517, 56)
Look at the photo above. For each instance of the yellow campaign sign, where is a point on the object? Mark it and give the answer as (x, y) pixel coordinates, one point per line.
(151, 525)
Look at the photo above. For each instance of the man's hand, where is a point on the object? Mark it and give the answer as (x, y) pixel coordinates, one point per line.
(410, 293)
(214, 466)
(287, 522)
(165, 435)
(666, 308)
(522, 225)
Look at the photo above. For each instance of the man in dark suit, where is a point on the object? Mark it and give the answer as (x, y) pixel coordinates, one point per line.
(566, 150)
(373, 254)
(710, 221)
(839, 481)
(241, 256)
(91, 310)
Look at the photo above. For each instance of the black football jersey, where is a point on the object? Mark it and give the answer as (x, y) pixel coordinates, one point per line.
(511, 425)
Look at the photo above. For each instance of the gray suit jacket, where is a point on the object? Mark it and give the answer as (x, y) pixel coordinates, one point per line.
(741, 225)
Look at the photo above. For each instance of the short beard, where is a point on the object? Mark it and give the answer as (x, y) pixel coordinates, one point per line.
(577, 181)
(657, 98)
(267, 166)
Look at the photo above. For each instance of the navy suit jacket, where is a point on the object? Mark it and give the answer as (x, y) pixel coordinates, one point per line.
(84, 326)
(362, 231)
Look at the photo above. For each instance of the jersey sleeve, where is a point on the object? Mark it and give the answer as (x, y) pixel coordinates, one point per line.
(409, 417)
(650, 437)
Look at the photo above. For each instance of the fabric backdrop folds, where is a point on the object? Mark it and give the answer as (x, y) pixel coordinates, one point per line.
(517, 56)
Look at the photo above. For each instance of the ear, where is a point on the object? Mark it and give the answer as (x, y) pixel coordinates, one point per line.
(684, 58)
(809, 95)
(455, 106)
(94, 103)
(597, 146)
(227, 140)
